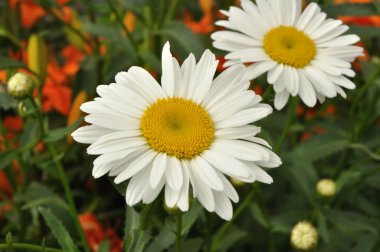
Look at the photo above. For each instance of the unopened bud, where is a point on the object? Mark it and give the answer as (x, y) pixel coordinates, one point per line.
(326, 187)
(20, 86)
(304, 236)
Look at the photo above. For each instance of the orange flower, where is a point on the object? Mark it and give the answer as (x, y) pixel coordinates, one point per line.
(30, 12)
(95, 233)
(5, 186)
(204, 26)
(13, 123)
(75, 111)
(73, 58)
(221, 62)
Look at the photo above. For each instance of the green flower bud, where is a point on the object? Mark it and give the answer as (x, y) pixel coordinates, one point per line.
(20, 86)
(326, 187)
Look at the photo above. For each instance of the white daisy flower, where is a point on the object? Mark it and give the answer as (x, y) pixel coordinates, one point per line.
(303, 53)
(190, 131)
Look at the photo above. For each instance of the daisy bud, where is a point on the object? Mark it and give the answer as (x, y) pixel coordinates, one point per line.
(20, 86)
(326, 187)
(304, 236)
(171, 210)
(237, 182)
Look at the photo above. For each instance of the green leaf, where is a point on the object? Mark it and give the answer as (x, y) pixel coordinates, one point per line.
(6, 157)
(183, 38)
(162, 241)
(152, 60)
(365, 31)
(57, 134)
(258, 214)
(132, 222)
(6, 34)
(138, 241)
(319, 147)
(335, 10)
(6, 63)
(46, 201)
(322, 228)
(104, 246)
(191, 245)
(59, 231)
(233, 235)
(29, 134)
(6, 101)
(346, 177)
(189, 218)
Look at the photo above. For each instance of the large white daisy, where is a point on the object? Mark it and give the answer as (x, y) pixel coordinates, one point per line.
(191, 130)
(303, 53)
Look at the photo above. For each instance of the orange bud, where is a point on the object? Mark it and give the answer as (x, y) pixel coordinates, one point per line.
(75, 111)
(129, 21)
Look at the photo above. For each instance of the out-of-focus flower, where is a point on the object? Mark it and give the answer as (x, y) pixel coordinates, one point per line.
(192, 130)
(129, 21)
(303, 53)
(326, 187)
(37, 56)
(95, 233)
(206, 24)
(5, 186)
(30, 12)
(20, 86)
(304, 236)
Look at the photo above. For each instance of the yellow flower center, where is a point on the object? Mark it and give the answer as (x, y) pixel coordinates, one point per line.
(289, 46)
(177, 127)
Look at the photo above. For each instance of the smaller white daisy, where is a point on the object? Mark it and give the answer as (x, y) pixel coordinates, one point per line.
(190, 131)
(303, 53)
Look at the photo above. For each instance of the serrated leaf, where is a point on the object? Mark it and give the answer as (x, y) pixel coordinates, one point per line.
(59, 231)
(319, 147)
(46, 201)
(138, 241)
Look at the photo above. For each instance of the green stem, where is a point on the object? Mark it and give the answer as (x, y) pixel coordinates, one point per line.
(178, 233)
(145, 215)
(28, 247)
(171, 9)
(219, 236)
(289, 120)
(129, 35)
(62, 176)
(364, 89)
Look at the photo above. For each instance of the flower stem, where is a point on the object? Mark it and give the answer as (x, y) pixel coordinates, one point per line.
(178, 232)
(62, 176)
(288, 123)
(219, 236)
(28, 247)
(127, 33)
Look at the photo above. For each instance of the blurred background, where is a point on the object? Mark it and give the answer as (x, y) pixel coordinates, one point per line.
(330, 175)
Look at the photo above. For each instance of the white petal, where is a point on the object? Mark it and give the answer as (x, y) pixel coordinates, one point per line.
(106, 145)
(158, 169)
(275, 73)
(89, 134)
(236, 133)
(171, 196)
(226, 164)
(167, 79)
(281, 99)
(223, 206)
(207, 173)
(307, 92)
(173, 173)
(245, 117)
(113, 122)
(183, 200)
(258, 69)
(136, 188)
(136, 166)
(203, 192)
(239, 149)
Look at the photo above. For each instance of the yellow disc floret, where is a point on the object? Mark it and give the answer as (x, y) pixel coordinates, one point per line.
(289, 46)
(177, 127)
